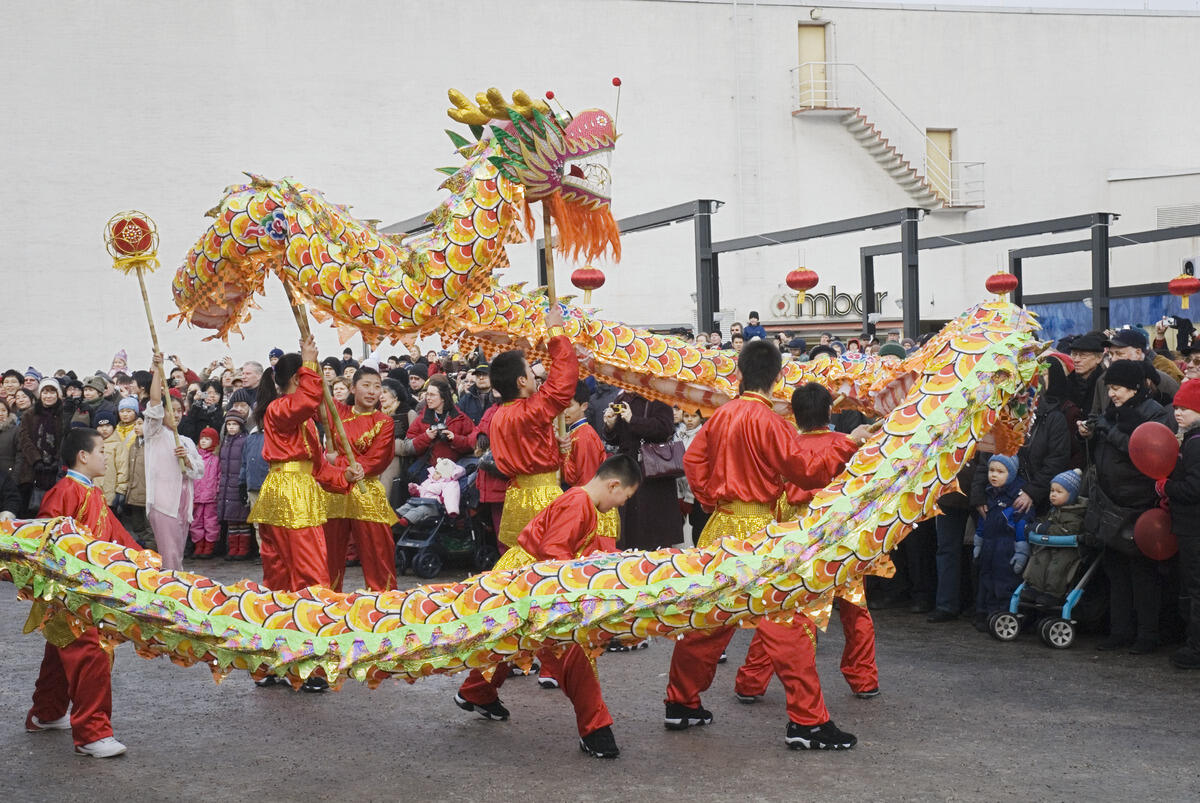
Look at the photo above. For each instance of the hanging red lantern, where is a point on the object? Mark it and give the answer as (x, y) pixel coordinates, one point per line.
(588, 279)
(802, 280)
(1001, 284)
(1183, 286)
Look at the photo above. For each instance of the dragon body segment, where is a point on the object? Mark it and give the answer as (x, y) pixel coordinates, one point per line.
(972, 376)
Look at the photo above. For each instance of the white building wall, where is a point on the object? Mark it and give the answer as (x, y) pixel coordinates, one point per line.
(159, 106)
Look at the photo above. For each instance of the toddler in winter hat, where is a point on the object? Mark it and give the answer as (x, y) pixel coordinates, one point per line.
(1010, 464)
(1069, 482)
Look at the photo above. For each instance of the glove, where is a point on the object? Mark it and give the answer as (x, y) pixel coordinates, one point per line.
(118, 505)
(1020, 557)
(244, 493)
(978, 547)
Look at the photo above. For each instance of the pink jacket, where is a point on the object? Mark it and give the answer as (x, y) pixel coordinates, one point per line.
(206, 487)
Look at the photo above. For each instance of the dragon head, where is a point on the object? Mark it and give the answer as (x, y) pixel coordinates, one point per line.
(561, 160)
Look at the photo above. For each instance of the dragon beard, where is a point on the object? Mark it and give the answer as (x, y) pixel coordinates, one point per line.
(585, 231)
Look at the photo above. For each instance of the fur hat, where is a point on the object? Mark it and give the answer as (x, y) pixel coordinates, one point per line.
(1010, 462)
(50, 382)
(1188, 395)
(1127, 374)
(1070, 482)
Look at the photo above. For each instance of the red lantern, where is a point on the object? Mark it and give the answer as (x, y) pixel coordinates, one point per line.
(1001, 284)
(588, 279)
(802, 280)
(1183, 286)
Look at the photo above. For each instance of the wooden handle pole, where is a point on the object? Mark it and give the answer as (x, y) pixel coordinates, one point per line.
(301, 316)
(560, 423)
(168, 407)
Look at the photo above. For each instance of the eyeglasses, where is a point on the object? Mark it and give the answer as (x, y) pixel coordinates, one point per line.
(1193, 360)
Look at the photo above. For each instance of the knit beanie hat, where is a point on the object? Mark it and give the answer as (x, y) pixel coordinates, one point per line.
(892, 350)
(120, 357)
(1070, 481)
(33, 373)
(419, 370)
(236, 415)
(1188, 395)
(1127, 374)
(210, 433)
(128, 403)
(49, 382)
(104, 417)
(1009, 462)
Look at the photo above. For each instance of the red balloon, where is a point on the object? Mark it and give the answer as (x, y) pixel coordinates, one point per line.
(1154, 450)
(1152, 534)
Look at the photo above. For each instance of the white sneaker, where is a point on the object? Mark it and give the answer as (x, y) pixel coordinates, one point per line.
(101, 748)
(63, 723)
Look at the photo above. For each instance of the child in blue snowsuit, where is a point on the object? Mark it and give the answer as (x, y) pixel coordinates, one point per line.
(1001, 548)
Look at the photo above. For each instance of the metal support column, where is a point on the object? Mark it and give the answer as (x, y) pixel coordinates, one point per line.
(708, 278)
(543, 277)
(867, 270)
(1014, 267)
(1100, 278)
(910, 274)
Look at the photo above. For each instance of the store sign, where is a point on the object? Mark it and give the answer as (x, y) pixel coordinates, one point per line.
(822, 305)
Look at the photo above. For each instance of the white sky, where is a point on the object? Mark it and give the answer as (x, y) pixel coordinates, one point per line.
(1152, 5)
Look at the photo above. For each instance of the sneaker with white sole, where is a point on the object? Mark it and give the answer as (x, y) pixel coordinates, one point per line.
(494, 710)
(825, 736)
(600, 743)
(547, 682)
(679, 717)
(35, 725)
(101, 748)
(747, 699)
(868, 694)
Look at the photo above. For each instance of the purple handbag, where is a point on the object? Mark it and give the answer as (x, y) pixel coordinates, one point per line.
(662, 460)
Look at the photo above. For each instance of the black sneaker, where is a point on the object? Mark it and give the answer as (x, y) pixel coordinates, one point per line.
(868, 694)
(1185, 658)
(680, 717)
(493, 710)
(747, 699)
(825, 736)
(600, 743)
(515, 671)
(723, 658)
(268, 680)
(547, 683)
(315, 685)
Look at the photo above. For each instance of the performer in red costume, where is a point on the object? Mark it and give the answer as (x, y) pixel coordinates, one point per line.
(522, 431)
(77, 671)
(737, 466)
(811, 405)
(583, 452)
(290, 510)
(363, 512)
(566, 529)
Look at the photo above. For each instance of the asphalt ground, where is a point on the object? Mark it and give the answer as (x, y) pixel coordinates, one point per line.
(961, 717)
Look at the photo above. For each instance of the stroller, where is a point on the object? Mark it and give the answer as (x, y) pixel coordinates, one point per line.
(1052, 592)
(432, 536)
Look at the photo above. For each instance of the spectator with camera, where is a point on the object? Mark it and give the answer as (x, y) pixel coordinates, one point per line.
(443, 430)
(650, 519)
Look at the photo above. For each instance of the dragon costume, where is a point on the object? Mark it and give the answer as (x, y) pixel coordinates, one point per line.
(971, 379)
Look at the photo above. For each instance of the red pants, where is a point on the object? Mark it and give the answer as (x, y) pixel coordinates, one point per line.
(376, 550)
(79, 675)
(292, 560)
(790, 651)
(576, 677)
(858, 656)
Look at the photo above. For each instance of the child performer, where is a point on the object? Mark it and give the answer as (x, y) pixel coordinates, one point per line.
(1000, 543)
(77, 672)
(566, 529)
(231, 510)
(364, 515)
(206, 525)
(168, 488)
(812, 405)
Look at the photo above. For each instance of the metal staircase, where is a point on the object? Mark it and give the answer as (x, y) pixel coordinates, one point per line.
(899, 145)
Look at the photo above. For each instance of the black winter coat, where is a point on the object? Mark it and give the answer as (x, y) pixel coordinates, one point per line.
(198, 417)
(1047, 452)
(1115, 472)
(1183, 487)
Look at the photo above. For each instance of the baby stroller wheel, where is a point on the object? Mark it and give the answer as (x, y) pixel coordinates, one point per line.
(427, 564)
(485, 557)
(401, 561)
(1057, 633)
(1004, 625)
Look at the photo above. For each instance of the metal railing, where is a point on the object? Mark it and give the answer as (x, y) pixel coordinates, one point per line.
(844, 87)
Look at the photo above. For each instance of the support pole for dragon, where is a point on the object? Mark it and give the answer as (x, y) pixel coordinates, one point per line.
(560, 424)
(132, 240)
